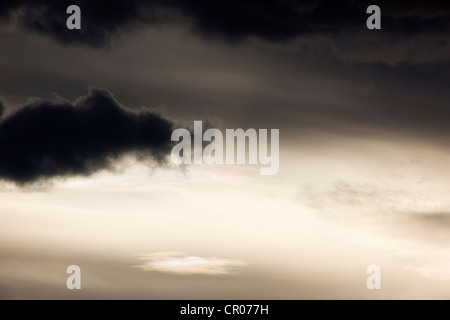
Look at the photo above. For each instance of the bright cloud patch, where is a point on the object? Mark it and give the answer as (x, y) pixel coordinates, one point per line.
(176, 262)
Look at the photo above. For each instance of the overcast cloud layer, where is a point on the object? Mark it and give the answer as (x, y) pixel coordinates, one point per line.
(363, 118)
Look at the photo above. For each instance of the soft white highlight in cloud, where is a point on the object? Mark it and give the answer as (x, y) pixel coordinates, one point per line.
(179, 263)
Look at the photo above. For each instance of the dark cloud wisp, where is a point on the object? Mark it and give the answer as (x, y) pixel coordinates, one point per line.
(102, 21)
(46, 139)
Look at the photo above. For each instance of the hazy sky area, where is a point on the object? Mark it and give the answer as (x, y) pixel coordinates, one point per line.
(86, 177)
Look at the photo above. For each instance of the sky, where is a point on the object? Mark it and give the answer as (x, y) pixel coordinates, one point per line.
(86, 178)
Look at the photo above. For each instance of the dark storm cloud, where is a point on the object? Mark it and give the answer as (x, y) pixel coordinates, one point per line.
(271, 20)
(45, 139)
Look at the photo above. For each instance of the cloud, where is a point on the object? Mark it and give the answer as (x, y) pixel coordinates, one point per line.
(411, 191)
(344, 196)
(338, 25)
(102, 21)
(178, 263)
(47, 139)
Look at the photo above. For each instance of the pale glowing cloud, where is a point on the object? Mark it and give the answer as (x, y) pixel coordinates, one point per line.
(179, 263)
